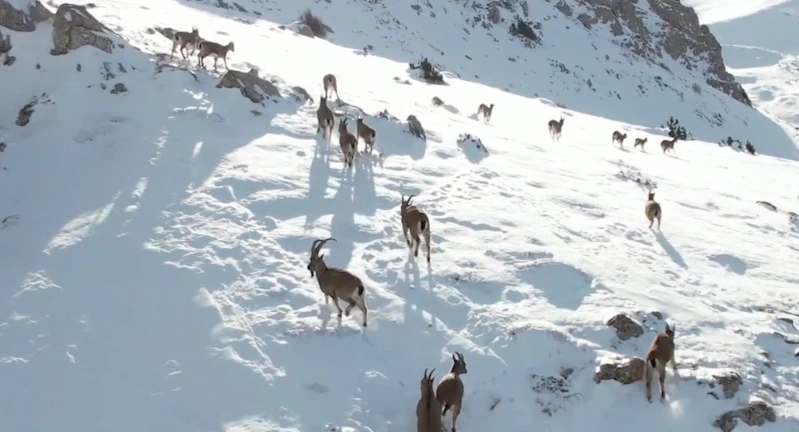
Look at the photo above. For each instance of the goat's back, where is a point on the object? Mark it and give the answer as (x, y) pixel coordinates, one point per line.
(662, 349)
(652, 210)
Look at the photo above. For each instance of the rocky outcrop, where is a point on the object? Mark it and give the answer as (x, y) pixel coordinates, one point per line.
(74, 27)
(252, 86)
(680, 36)
(626, 327)
(625, 371)
(23, 20)
(756, 413)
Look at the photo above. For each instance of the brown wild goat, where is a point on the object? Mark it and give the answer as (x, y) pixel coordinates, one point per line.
(215, 50)
(619, 137)
(336, 283)
(652, 210)
(555, 127)
(324, 118)
(428, 410)
(367, 134)
(660, 353)
(640, 142)
(450, 389)
(668, 145)
(486, 111)
(417, 222)
(348, 142)
(185, 40)
(329, 82)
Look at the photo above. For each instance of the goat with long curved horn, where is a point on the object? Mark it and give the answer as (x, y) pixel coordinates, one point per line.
(336, 283)
(417, 222)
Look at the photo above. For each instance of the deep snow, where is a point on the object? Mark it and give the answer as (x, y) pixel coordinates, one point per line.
(154, 250)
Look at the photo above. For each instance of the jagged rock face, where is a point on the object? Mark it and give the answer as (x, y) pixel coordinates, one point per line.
(682, 37)
(626, 327)
(756, 413)
(626, 371)
(23, 20)
(74, 27)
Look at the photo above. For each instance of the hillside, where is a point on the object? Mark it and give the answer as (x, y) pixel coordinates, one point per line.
(156, 230)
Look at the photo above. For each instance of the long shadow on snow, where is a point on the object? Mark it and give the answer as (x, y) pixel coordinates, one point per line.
(673, 253)
(774, 140)
(120, 333)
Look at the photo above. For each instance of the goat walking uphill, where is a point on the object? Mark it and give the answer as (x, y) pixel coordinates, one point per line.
(450, 389)
(417, 222)
(652, 210)
(619, 138)
(336, 283)
(348, 142)
(185, 40)
(486, 111)
(330, 85)
(324, 119)
(660, 353)
(215, 50)
(640, 142)
(668, 145)
(428, 409)
(555, 128)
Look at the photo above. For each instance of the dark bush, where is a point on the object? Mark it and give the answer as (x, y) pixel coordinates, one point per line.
(675, 129)
(314, 23)
(737, 145)
(429, 72)
(524, 29)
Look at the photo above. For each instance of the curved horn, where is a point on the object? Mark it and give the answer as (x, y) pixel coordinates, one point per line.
(430, 375)
(408, 201)
(313, 247)
(321, 244)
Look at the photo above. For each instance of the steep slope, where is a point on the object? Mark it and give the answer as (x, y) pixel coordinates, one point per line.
(765, 62)
(622, 60)
(153, 255)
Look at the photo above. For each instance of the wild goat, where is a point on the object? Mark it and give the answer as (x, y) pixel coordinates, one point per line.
(555, 127)
(324, 118)
(660, 353)
(652, 210)
(183, 40)
(415, 127)
(336, 283)
(215, 50)
(619, 137)
(640, 142)
(668, 145)
(428, 408)
(450, 389)
(367, 134)
(417, 222)
(348, 143)
(329, 82)
(486, 111)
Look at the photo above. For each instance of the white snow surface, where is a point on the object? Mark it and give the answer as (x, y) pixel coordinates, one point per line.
(154, 244)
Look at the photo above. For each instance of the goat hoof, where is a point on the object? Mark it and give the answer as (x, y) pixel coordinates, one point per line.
(339, 314)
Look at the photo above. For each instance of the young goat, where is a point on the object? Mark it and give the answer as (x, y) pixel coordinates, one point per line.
(367, 134)
(336, 283)
(185, 39)
(660, 353)
(640, 142)
(450, 389)
(324, 118)
(348, 143)
(668, 145)
(417, 222)
(619, 137)
(428, 409)
(486, 111)
(215, 50)
(329, 82)
(652, 210)
(555, 127)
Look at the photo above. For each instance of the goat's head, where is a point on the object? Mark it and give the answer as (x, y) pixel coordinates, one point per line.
(670, 331)
(317, 245)
(406, 203)
(458, 364)
(426, 384)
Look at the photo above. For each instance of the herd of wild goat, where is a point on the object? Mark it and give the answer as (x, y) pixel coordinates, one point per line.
(338, 283)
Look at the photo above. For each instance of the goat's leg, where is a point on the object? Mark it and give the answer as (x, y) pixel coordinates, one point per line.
(427, 242)
(349, 308)
(174, 46)
(648, 380)
(416, 241)
(662, 379)
(225, 60)
(456, 410)
(405, 233)
(361, 303)
(335, 302)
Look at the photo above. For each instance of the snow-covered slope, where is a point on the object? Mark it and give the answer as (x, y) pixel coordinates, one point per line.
(765, 62)
(154, 246)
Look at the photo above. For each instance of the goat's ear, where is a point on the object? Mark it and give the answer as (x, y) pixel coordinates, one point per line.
(669, 329)
(321, 256)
